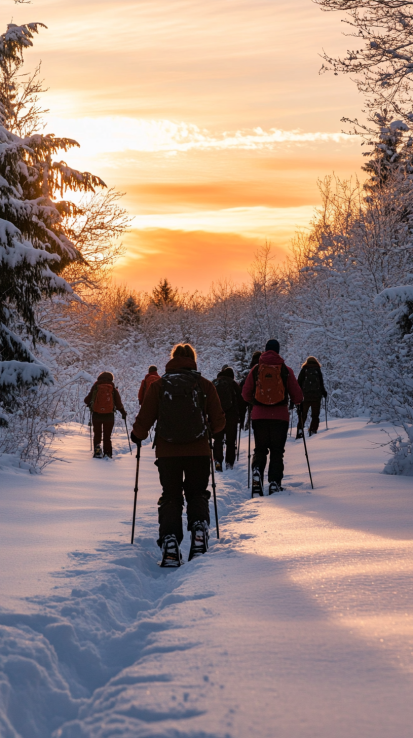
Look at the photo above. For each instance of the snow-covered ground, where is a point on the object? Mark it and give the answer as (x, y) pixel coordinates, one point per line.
(297, 624)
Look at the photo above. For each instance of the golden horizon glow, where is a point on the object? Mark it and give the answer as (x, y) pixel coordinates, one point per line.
(212, 119)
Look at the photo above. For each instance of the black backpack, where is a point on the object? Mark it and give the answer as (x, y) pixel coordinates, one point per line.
(226, 393)
(312, 381)
(181, 416)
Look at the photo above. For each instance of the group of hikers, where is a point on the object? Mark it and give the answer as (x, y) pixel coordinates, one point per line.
(194, 417)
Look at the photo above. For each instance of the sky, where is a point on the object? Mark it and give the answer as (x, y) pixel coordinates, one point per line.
(211, 117)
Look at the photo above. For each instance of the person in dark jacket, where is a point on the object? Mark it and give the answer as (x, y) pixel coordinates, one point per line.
(270, 421)
(151, 376)
(230, 396)
(103, 400)
(183, 467)
(244, 405)
(311, 382)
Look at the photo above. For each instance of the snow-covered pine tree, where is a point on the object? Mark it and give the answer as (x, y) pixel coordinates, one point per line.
(130, 313)
(33, 247)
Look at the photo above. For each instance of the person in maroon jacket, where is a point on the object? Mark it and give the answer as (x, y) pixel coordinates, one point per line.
(184, 466)
(103, 412)
(270, 421)
(151, 376)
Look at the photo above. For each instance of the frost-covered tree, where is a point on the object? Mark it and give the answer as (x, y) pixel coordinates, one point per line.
(33, 245)
(382, 62)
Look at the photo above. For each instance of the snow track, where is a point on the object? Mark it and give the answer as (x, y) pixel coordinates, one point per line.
(296, 624)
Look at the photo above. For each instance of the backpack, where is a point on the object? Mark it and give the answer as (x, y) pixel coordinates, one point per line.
(181, 416)
(312, 381)
(270, 384)
(102, 401)
(226, 393)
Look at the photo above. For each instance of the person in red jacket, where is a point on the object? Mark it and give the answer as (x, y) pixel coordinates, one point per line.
(152, 376)
(270, 380)
(103, 399)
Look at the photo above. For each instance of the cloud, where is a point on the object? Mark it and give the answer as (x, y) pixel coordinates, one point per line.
(109, 134)
(256, 221)
(223, 195)
(192, 260)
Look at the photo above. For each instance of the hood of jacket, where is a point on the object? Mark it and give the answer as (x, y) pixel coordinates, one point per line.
(271, 358)
(181, 362)
(105, 378)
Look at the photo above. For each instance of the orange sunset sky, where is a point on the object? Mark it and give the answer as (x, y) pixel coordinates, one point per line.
(210, 115)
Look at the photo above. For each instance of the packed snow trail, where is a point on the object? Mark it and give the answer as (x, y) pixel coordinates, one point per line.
(296, 624)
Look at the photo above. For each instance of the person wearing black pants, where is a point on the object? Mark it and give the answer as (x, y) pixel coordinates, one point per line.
(230, 397)
(270, 420)
(270, 436)
(194, 470)
(183, 463)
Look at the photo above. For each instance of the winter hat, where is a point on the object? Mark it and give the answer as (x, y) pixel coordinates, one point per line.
(227, 372)
(152, 369)
(273, 345)
(312, 360)
(105, 377)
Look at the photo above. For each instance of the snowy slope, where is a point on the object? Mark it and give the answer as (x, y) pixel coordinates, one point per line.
(297, 624)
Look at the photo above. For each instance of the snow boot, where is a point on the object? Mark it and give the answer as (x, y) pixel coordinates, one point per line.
(171, 554)
(218, 466)
(256, 483)
(312, 432)
(229, 466)
(199, 540)
(97, 454)
(300, 434)
(275, 488)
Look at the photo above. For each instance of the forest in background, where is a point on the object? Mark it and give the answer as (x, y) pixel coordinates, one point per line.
(345, 294)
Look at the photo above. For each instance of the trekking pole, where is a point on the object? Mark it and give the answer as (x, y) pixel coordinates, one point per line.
(239, 441)
(138, 457)
(213, 480)
(325, 401)
(291, 425)
(127, 433)
(90, 429)
(305, 446)
(249, 446)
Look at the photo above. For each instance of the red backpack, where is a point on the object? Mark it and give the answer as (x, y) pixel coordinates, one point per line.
(271, 384)
(103, 400)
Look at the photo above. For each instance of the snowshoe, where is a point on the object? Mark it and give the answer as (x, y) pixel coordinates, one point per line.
(275, 488)
(229, 466)
(171, 554)
(218, 466)
(256, 484)
(199, 540)
(97, 454)
(312, 432)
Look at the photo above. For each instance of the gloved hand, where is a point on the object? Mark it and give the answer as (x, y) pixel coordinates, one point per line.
(136, 440)
(124, 414)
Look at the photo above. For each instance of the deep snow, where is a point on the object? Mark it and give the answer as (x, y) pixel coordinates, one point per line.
(297, 624)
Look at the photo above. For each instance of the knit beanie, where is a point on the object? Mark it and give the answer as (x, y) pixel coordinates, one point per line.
(273, 345)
